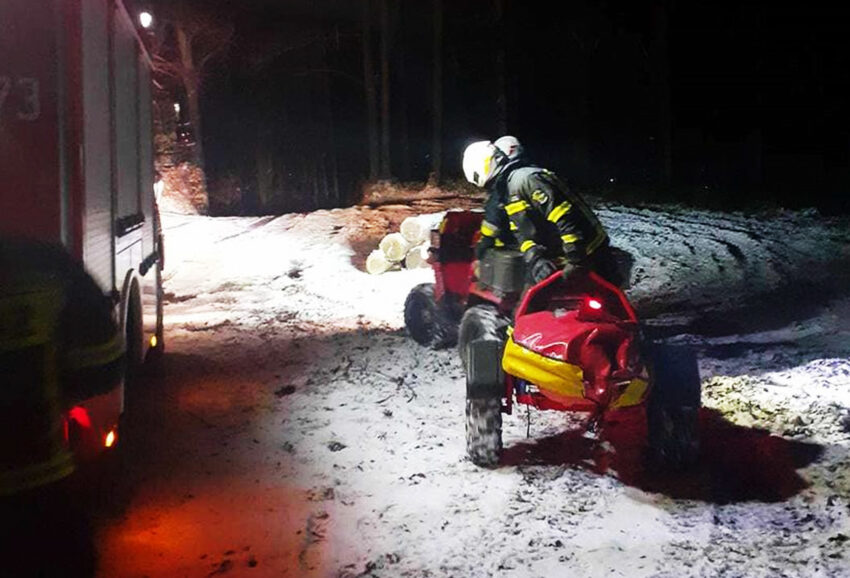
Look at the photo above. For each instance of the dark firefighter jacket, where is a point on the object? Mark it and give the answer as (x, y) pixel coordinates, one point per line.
(58, 343)
(529, 206)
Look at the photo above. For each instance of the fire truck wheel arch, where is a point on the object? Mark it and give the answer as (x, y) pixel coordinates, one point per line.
(131, 319)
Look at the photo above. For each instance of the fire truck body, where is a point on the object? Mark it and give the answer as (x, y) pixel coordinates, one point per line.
(76, 164)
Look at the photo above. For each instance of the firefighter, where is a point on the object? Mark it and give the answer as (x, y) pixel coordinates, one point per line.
(59, 344)
(531, 209)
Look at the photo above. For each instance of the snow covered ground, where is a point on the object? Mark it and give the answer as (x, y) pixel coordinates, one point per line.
(304, 434)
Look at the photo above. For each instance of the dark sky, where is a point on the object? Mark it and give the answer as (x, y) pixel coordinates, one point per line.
(757, 90)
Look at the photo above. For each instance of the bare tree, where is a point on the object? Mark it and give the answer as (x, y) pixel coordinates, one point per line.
(502, 85)
(369, 86)
(403, 130)
(187, 41)
(437, 132)
(660, 68)
(385, 89)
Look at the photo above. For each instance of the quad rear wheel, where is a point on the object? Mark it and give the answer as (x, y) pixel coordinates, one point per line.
(430, 323)
(673, 408)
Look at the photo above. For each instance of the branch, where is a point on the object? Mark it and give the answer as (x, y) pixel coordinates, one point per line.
(167, 67)
(578, 40)
(277, 50)
(212, 54)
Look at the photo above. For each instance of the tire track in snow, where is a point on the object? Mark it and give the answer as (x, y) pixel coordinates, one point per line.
(687, 267)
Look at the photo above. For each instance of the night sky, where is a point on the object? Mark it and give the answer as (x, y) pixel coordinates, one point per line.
(757, 96)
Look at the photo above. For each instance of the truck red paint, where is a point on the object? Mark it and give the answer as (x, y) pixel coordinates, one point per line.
(76, 165)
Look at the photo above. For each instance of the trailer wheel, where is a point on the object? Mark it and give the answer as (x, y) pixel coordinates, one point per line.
(428, 322)
(673, 408)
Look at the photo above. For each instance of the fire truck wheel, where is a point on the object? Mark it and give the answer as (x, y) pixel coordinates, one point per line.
(134, 336)
(484, 431)
(425, 319)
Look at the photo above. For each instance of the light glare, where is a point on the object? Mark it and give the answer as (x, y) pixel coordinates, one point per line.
(146, 19)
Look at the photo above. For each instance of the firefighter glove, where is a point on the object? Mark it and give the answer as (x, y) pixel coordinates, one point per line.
(538, 266)
(571, 269)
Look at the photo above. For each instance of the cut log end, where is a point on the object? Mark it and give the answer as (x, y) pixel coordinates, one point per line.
(417, 257)
(394, 247)
(376, 263)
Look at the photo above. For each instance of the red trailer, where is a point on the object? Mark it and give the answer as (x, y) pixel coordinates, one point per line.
(76, 165)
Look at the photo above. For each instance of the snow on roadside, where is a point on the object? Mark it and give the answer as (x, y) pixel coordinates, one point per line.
(375, 422)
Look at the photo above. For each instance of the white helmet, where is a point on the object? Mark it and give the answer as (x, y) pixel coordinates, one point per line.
(510, 146)
(480, 162)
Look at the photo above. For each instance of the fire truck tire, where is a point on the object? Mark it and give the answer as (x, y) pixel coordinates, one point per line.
(134, 336)
(426, 321)
(672, 411)
(484, 431)
(480, 322)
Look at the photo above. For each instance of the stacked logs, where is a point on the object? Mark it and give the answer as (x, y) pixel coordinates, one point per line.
(407, 248)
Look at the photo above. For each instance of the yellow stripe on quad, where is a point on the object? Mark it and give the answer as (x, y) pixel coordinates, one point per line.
(562, 378)
(633, 394)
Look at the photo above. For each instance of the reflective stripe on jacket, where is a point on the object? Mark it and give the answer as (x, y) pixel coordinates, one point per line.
(58, 342)
(543, 211)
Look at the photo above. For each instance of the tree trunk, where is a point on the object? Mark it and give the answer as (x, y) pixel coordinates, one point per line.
(330, 142)
(437, 133)
(385, 90)
(371, 97)
(501, 83)
(191, 87)
(661, 68)
(401, 98)
(265, 174)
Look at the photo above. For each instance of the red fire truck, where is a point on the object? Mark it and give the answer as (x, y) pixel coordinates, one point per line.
(76, 166)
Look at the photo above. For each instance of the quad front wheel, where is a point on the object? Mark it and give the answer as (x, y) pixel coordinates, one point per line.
(480, 341)
(482, 322)
(484, 431)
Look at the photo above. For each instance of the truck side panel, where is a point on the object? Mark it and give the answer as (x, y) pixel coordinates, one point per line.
(126, 103)
(146, 153)
(30, 173)
(151, 289)
(97, 217)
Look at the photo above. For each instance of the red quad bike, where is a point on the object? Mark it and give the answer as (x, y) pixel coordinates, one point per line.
(570, 344)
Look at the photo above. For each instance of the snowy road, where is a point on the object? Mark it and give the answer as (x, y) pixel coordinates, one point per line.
(295, 430)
